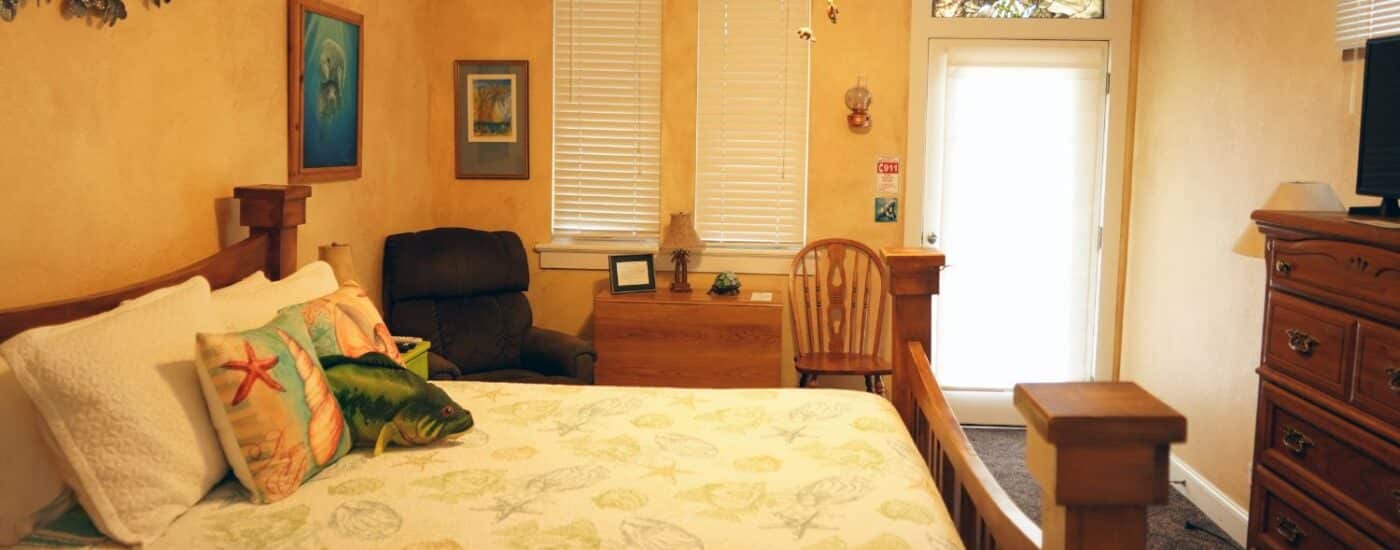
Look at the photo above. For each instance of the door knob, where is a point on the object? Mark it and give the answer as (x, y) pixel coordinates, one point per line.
(931, 238)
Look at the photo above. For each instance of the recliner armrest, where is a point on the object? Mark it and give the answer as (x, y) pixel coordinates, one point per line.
(439, 368)
(554, 352)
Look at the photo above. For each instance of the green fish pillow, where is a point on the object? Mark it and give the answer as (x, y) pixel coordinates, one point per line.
(386, 403)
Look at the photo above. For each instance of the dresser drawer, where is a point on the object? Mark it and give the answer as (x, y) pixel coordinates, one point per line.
(1378, 375)
(1355, 275)
(1309, 342)
(1331, 459)
(1283, 517)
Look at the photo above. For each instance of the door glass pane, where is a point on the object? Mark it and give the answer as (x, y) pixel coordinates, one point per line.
(1020, 9)
(1017, 213)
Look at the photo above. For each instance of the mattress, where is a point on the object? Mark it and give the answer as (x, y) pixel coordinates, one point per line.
(603, 467)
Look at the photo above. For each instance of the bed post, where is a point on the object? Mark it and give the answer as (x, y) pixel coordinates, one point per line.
(913, 282)
(1100, 452)
(274, 211)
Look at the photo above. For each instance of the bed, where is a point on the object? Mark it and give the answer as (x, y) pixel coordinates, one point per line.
(612, 467)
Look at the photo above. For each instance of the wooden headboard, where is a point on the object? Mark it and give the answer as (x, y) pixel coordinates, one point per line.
(271, 213)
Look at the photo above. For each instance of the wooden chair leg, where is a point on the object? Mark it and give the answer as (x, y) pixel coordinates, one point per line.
(801, 379)
(880, 385)
(869, 384)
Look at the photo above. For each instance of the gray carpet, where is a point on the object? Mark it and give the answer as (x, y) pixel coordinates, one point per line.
(1004, 452)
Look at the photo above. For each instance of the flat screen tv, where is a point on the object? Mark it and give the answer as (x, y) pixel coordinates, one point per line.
(1378, 171)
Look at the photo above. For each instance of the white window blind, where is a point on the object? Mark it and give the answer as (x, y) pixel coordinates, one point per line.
(607, 118)
(751, 127)
(1360, 20)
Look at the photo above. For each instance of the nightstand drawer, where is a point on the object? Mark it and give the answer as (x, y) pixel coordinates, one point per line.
(1331, 459)
(1283, 517)
(1309, 342)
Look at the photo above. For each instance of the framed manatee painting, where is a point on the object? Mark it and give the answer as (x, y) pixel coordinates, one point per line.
(492, 108)
(326, 83)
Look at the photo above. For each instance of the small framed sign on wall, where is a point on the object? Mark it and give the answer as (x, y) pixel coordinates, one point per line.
(492, 106)
(326, 91)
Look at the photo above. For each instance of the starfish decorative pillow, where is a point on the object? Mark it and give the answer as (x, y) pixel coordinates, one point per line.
(277, 419)
(344, 326)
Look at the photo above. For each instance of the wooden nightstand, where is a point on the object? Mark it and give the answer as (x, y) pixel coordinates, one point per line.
(416, 359)
(691, 340)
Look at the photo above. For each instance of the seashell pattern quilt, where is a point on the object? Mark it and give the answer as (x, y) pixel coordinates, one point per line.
(604, 468)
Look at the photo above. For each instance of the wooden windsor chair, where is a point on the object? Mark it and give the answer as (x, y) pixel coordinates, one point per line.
(838, 291)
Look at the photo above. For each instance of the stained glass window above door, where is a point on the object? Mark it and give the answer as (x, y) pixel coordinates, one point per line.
(1020, 9)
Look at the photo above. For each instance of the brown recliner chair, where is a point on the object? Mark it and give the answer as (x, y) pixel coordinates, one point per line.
(463, 290)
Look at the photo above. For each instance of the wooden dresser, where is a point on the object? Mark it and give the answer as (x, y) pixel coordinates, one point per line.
(1327, 442)
(691, 340)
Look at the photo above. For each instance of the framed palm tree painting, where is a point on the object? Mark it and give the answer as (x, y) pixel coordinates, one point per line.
(492, 109)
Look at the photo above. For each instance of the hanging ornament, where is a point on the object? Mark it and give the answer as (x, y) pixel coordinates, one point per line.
(832, 11)
(805, 33)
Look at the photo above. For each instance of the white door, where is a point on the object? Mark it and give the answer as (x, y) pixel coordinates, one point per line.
(1013, 197)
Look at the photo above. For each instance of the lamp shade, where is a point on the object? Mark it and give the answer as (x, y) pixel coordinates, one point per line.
(680, 234)
(342, 263)
(1298, 195)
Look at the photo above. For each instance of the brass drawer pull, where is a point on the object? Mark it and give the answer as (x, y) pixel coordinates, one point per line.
(1301, 341)
(1283, 267)
(1289, 531)
(1394, 378)
(1295, 441)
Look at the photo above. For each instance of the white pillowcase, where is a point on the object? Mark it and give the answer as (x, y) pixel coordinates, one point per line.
(246, 307)
(34, 490)
(226, 300)
(122, 404)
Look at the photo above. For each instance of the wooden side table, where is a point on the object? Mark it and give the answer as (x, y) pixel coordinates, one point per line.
(691, 340)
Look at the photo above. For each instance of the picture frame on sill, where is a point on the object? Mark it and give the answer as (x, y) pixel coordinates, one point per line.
(325, 107)
(632, 273)
(492, 119)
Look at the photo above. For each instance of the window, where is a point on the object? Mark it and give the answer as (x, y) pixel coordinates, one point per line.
(607, 118)
(1360, 20)
(751, 122)
(1020, 9)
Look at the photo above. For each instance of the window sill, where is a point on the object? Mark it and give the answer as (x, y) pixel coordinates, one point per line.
(594, 256)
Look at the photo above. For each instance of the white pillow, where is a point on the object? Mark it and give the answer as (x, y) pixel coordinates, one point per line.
(30, 480)
(250, 307)
(34, 490)
(122, 404)
(228, 300)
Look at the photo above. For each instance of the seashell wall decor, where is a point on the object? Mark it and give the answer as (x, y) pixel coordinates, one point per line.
(106, 12)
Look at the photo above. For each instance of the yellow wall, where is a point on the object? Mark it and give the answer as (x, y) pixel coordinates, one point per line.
(120, 142)
(1233, 98)
(871, 39)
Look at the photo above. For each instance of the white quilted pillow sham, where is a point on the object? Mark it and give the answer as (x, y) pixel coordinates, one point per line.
(33, 489)
(123, 407)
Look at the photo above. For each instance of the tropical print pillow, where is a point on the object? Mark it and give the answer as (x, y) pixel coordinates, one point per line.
(277, 419)
(345, 325)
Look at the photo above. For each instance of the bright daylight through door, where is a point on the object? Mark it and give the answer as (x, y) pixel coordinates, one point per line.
(1016, 149)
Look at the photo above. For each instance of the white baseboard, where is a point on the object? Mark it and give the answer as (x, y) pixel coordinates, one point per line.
(1231, 517)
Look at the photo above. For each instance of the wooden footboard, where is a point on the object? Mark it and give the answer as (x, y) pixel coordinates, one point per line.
(1098, 450)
